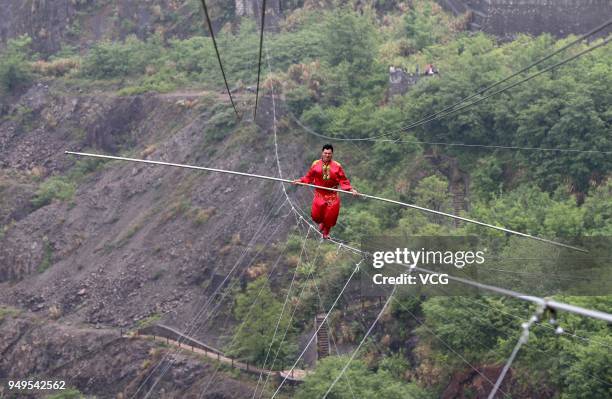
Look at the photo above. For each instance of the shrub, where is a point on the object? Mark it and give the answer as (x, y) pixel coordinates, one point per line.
(220, 124)
(57, 67)
(15, 70)
(53, 188)
(115, 59)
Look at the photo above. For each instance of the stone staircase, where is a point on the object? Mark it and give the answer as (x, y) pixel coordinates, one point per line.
(458, 194)
(322, 336)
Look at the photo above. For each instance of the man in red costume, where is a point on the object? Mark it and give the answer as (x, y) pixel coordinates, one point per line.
(326, 204)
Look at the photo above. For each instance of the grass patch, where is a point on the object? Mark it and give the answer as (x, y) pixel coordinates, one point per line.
(148, 321)
(8, 312)
(147, 87)
(70, 393)
(179, 207)
(131, 232)
(63, 188)
(54, 188)
(244, 135)
(201, 216)
(56, 67)
(220, 124)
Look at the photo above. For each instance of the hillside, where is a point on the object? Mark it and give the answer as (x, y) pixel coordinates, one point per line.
(91, 251)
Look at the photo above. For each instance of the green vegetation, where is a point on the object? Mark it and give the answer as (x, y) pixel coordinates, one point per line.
(221, 123)
(54, 188)
(6, 311)
(331, 67)
(360, 382)
(149, 321)
(15, 69)
(62, 188)
(109, 59)
(70, 393)
(252, 340)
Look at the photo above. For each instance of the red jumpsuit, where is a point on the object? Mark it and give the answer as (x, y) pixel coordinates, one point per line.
(326, 204)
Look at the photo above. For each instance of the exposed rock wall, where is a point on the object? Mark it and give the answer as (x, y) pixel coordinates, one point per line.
(134, 240)
(506, 18)
(53, 23)
(101, 363)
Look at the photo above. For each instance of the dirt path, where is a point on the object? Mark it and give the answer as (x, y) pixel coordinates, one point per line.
(295, 375)
(193, 94)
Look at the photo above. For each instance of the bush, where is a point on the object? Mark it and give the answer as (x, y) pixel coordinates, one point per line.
(298, 99)
(420, 27)
(57, 67)
(350, 38)
(259, 312)
(53, 188)
(358, 381)
(220, 124)
(15, 70)
(114, 59)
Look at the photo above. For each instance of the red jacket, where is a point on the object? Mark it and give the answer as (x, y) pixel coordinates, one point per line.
(328, 175)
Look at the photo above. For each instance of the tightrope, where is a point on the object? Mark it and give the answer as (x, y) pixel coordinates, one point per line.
(404, 204)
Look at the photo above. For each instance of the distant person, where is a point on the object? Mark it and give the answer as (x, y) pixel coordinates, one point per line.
(326, 204)
(430, 70)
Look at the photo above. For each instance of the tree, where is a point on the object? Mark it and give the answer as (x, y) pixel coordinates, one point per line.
(258, 312)
(432, 192)
(421, 26)
(349, 37)
(359, 224)
(358, 381)
(598, 210)
(15, 70)
(466, 326)
(590, 374)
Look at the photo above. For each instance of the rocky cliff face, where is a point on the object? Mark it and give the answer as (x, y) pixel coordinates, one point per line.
(101, 363)
(506, 18)
(133, 240)
(110, 245)
(80, 23)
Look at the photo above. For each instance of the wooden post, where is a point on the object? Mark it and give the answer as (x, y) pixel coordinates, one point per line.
(247, 365)
(218, 356)
(192, 349)
(232, 363)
